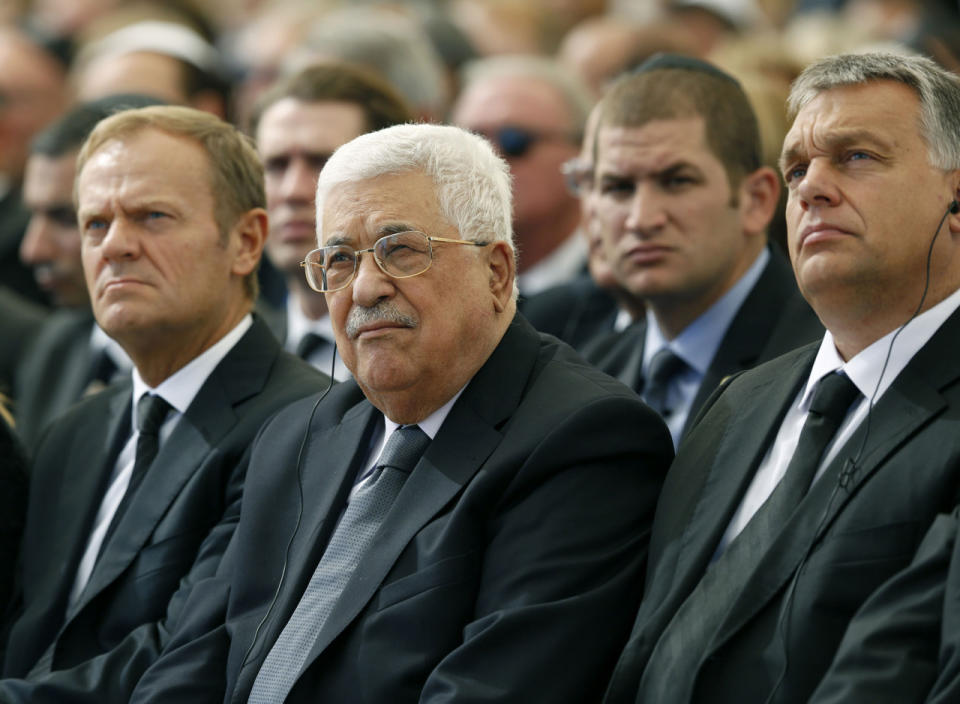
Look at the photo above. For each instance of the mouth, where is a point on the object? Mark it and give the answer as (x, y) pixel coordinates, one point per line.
(295, 231)
(372, 330)
(820, 232)
(645, 254)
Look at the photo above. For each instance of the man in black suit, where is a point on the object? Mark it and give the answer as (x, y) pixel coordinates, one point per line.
(134, 493)
(298, 123)
(504, 567)
(902, 646)
(684, 203)
(811, 479)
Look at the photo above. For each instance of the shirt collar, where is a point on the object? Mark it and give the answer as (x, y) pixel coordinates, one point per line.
(99, 340)
(865, 369)
(299, 325)
(698, 342)
(431, 424)
(182, 386)
(561, 265)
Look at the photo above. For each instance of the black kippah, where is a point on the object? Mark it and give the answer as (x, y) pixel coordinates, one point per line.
(688, 63)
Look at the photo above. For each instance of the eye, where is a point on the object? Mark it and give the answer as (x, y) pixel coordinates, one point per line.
(94, 225)
(858, 156)
(64, 217)
(276, 165)
(617, 188)
(794, 172)
(674, 182)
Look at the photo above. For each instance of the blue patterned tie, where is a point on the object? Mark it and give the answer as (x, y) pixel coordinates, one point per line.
(368, 507)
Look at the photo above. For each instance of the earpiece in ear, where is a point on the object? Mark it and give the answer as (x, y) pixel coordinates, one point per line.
(954, 207)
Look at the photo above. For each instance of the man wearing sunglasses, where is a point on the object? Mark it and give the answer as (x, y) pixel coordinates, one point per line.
(534, 114)
(505, 487)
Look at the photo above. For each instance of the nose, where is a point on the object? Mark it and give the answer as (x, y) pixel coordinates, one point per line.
(299, 182)
(370, 283)
(121, 241)
(817, 186)
(646, 214)
(37, 246)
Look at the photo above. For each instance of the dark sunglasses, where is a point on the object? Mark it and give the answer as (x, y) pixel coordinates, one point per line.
(514, 142)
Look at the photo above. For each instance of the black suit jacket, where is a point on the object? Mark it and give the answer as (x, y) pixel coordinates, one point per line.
(172, 534)
(53, 372)
(506, 570)
(903, 645)
(773, 319)
(779, 636)
(20, 320)
(576, 312)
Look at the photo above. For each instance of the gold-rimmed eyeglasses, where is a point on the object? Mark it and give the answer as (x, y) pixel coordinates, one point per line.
(400, 255)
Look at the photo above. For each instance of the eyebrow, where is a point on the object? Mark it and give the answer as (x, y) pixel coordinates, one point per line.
(834, 141)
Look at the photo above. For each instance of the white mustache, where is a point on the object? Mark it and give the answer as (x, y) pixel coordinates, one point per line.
(381, 312)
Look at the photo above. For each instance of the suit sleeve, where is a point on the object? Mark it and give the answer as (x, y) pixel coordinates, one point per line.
(892, 651)
(561, 575)
(112, 675)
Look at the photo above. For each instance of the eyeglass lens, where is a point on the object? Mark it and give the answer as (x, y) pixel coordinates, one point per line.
(400, 255)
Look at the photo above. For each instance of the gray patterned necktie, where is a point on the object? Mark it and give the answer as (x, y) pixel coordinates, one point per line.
(664, 368)
(369, 505)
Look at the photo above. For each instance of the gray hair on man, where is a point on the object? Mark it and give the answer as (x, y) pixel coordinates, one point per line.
(937, 89)
(575, 94)
(472, 182)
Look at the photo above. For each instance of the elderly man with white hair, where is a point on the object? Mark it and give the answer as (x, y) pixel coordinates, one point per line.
(464, 520)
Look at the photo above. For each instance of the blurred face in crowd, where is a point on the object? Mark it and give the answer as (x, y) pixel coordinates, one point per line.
(157, 265)
(529, 123)
(411, 343)
(51, 244)
(295, 139)
(677, 234)
(32, 94)
(141, 72)
(863, 204)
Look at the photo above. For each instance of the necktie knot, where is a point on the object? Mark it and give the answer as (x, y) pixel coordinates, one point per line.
(151, 412)
(664, 367)
(404, 448)
(833, 396)
(310, 343)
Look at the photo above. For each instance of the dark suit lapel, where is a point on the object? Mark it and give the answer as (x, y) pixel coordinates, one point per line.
(464, 442)
(241, 374)
(100, 439)
(911, 402)
(744, 342)
(750, 422)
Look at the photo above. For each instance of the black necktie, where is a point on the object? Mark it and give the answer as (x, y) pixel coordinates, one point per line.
(680, 648)
(151, 412)
(310, 343)
(664, 367)
(354, 533)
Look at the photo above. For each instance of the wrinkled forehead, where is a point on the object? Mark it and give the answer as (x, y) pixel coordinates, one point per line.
(362, 211)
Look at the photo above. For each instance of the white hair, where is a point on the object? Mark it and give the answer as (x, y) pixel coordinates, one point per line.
(472, 183)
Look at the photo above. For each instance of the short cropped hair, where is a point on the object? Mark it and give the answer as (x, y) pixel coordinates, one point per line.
(236, 172)
(938, 91)
(472, 182)
(381, 104)
(69, 132)
(690, 89)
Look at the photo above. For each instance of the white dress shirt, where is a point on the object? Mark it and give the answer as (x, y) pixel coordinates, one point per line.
(299, 325)
(178, 390)
(866, 371)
